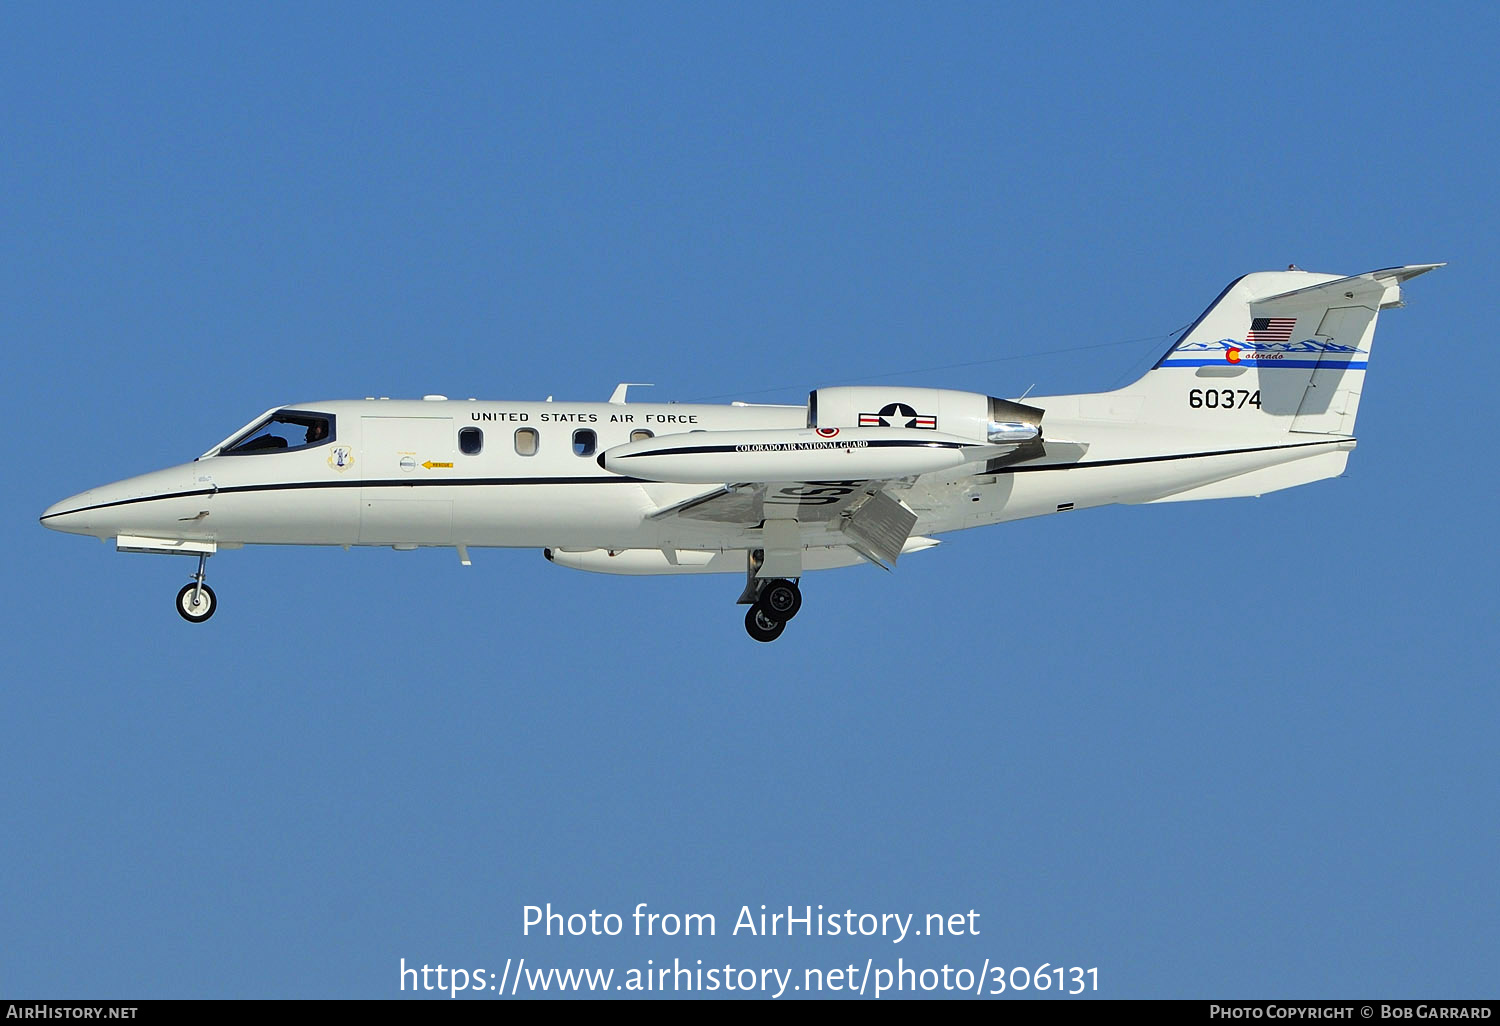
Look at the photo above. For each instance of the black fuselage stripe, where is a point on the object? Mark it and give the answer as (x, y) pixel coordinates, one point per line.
(1164, 459)
(489, 482)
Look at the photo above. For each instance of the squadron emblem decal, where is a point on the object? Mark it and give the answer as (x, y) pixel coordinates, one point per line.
(897, 415)
(340, 458)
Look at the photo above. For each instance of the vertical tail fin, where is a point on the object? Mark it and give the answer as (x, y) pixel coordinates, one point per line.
(1278, 352)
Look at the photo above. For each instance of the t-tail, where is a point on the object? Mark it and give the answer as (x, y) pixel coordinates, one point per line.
(1278, 361)
(1293, 345)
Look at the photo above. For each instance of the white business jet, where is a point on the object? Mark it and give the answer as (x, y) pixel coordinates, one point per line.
(1259, 394)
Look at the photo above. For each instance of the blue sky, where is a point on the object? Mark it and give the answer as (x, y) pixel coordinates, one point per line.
(1239, 748)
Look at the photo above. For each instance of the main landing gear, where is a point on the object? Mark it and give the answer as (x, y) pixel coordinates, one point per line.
(777, 601)
(196, 601)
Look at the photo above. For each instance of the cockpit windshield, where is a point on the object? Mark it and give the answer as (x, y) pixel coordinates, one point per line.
(282, 431)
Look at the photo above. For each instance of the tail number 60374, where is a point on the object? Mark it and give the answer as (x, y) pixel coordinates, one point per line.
(1223, 398)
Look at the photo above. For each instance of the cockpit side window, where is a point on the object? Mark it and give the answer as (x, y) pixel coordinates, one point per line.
(283, 431)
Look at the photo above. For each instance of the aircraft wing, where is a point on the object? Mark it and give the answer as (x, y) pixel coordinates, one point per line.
(874, 524)
(862, 510)
(748, 503)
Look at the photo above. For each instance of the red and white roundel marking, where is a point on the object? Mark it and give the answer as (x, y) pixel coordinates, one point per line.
(827, 432)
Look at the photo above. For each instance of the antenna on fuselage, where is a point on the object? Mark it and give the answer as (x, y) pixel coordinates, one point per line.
(618, 397)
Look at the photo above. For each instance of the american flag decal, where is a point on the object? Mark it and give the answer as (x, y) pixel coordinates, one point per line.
(1271, 329)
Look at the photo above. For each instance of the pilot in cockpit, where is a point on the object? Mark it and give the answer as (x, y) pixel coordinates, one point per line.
(316, 432)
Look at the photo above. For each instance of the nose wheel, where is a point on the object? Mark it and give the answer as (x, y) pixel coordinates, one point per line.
(196, 602)
(777, 602)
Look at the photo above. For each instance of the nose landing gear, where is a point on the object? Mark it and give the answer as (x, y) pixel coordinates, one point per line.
(196, 602)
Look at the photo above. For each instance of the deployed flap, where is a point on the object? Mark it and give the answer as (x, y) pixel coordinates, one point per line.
(878, 528)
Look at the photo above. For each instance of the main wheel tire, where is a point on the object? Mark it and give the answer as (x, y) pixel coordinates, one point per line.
(761, 627)
(781, 599)
(202, 610)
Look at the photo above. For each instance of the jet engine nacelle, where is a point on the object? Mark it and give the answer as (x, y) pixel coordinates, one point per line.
(966, 415)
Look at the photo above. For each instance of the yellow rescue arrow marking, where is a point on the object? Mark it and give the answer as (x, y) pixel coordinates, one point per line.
(429, 464)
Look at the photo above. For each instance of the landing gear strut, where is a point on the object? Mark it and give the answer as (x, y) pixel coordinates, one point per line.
(776, 602)
(196, 602)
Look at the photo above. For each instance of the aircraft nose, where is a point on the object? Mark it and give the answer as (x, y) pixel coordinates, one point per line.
(70, 515)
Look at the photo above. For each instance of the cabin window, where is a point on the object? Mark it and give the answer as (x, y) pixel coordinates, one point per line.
(584, 442)
(641, 434)
(470, 441)
(527, 441)
(283, 431)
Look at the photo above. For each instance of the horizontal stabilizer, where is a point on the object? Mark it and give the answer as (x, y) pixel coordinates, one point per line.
(1383, 285)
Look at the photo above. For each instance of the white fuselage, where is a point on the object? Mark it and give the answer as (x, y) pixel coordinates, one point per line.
(395, 473)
